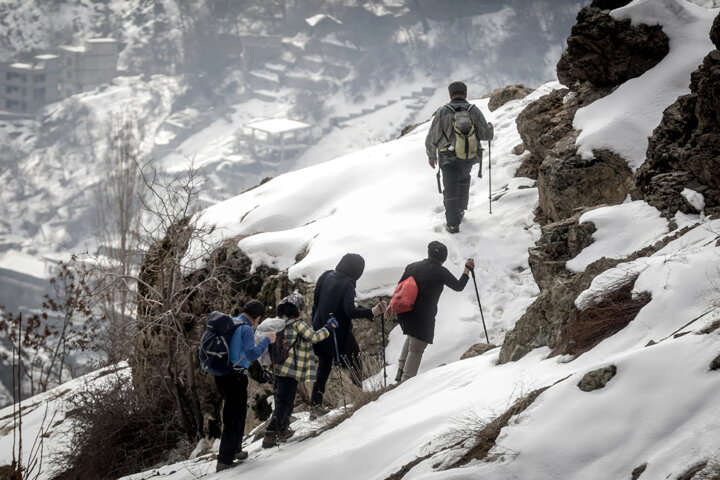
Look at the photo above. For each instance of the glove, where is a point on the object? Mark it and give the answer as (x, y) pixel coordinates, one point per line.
(267, 376)
(432, 162)
(332, 323)
(470, 264)
(379, 308)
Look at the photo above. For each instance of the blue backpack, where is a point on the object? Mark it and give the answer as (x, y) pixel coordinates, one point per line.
(214, 349)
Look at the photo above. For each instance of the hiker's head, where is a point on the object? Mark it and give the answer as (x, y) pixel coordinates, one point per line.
(254, 309)
(352, 265)
(437, 251)
(291, 306)
(457, 89)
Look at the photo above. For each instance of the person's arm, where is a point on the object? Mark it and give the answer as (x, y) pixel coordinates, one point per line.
(458, 284)
(434, 135)
(308, 333)
(316, 294)
(483, 129)
(348, 304)
(247, 341)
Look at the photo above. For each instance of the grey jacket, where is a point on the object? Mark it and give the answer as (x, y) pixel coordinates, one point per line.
(441, 131)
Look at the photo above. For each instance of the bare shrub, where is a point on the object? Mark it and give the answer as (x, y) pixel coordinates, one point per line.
(608, 313)
(115, 431)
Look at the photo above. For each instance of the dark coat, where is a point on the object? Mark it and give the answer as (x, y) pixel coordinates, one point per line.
(430, 277)
(335, 293)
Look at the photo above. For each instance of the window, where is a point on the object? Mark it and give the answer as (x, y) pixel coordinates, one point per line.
(40, 78)
(39, 94)
(68, 60)
(68, 74)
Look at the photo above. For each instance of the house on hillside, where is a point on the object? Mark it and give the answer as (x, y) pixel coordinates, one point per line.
(27, 87)
(276, 138)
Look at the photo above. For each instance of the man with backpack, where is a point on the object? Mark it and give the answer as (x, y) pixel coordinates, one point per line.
(233, 385)
(454, 141)
(418, 324)
(335, 297)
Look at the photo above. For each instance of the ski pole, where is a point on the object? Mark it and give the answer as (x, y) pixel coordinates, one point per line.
(472, 272)
(437, 176)
(382, 327)
(489, 179)
(337, 359)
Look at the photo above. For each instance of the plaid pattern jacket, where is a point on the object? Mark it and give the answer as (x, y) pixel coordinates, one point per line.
(300, 363)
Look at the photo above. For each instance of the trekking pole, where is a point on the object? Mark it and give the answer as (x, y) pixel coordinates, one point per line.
(337, 360)
(472, 272)
(438, 180)
(489, 181)
(382, 327)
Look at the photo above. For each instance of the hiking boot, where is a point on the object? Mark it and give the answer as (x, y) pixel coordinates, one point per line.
(241, 455)
(285, 434)
(270, 440)
(223, 466)
(317, 411)
(398, 377)
(452, 228)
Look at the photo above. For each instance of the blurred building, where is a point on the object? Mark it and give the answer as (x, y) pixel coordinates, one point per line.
(27, 87)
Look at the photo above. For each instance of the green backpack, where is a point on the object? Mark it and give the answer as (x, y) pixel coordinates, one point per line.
(466, 142)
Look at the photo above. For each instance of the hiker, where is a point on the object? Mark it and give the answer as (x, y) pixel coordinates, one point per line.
(299, 366)
(456, 158)
(335, 295)
(233, 386)
(419, 323)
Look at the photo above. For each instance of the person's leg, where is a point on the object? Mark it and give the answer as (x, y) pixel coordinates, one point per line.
(450, 193)
(233, 388)
(463, 187)
(415, 353)
(323, 372)
(402, 359)
(286, 388)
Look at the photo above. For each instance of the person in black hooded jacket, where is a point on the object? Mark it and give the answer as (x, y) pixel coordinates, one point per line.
(335, 294)
(419, 323)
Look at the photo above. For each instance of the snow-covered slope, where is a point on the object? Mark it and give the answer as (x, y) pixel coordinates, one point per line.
(661, 407)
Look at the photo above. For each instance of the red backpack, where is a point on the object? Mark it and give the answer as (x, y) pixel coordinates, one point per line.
(404, 296)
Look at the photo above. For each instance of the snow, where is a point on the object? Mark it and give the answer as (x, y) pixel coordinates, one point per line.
(382, 202)
(622, 122)
(18, 261)
(278, 125)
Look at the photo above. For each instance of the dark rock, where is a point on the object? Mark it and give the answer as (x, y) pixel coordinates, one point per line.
(545, 121)
(560, 242)
(567, 182)
(529, 166)
(638, 471)
(605, 52)
(684, 150)
(715, 32)
(477, 350)
(597, 379)
(518, 149)
(500, 96)
(715, 364)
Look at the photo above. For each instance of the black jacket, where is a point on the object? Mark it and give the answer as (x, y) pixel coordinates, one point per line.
(430, 277)
(335, 293)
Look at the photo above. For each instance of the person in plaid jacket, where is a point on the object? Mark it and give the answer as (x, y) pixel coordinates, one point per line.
(299, 366)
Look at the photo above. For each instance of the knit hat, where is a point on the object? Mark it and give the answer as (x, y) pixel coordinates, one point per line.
(437, 251)
(352, 265)
(457, 88)
(254, 308)
(293, 299)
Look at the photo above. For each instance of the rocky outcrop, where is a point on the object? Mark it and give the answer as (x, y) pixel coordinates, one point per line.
(500, 96)
(605, 52)
(684, 150)
(477, 350)
(597, 379)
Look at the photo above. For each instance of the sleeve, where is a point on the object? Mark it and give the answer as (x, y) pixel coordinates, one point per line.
(252, 351)
(316, 294)
(457, 284)
(349, 306)
(313, 335)
(482, 129)
(434, 135)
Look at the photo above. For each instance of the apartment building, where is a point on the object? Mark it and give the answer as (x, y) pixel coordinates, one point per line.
(26, 87)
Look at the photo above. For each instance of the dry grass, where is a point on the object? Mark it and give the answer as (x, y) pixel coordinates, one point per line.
(610, 312)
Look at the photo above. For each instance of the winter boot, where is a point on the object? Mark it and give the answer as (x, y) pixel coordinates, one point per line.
(285, 434)
(270, 440)
(224, 466)
(317, 410)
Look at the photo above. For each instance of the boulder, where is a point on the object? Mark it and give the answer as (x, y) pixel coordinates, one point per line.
(715, 32)
(500, 96)
(605, 52)
(477, 350)
(597, 379)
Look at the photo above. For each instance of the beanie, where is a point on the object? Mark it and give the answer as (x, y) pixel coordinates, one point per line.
(437, 251)
(254, 308)
(457, 88)
(291, 305)
(352, 265)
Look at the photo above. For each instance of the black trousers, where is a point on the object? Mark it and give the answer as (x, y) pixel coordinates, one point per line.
(325, 363)
(285, 390)
(233, 388)
(456, 189)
